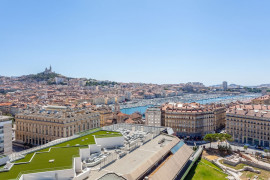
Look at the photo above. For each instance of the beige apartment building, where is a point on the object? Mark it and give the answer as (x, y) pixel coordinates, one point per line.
(193, 119)
(42, 126)
(105, 113)
(5, 135)
(249, 124)
(153, 116)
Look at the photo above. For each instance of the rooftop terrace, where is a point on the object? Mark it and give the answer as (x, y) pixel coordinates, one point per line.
(62, 154)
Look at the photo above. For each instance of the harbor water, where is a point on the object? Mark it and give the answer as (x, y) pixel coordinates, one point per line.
(221, 99)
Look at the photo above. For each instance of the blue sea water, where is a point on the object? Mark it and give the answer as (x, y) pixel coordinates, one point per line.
(142, 109)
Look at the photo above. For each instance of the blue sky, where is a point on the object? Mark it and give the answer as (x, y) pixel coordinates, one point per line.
(154, 41)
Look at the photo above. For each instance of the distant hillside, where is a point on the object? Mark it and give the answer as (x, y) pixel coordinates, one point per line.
(42, 76)
(264, 85)
(49, 77)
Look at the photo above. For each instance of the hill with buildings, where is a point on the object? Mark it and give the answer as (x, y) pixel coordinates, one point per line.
(52, 77)
(47, 75)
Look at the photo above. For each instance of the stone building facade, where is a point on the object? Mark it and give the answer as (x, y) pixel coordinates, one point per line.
(193, 119)
(249, 124)
(40, 127)
(106, 114)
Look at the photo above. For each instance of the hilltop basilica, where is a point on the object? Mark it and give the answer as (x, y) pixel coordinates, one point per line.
(48, 71)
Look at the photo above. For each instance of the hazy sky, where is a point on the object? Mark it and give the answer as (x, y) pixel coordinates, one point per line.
(168, 41)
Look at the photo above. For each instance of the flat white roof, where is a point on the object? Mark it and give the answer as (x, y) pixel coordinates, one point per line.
(55, 107)
(5, 118)
(133, 164)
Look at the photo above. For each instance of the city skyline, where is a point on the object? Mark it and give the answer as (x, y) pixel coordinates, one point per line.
(142, 41)
(49, 68)
(139, 89)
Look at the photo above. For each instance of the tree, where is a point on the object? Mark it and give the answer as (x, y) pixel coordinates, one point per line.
(245, 147)
(225, 138)
(210, 138)
(195, 148)
(266, 152)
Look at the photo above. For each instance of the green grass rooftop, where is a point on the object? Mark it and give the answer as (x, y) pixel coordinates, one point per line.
(62, 154)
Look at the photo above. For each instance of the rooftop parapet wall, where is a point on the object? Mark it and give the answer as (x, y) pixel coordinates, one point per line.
(256, 111)
(192, 108)
(5, 118)
(110, 142)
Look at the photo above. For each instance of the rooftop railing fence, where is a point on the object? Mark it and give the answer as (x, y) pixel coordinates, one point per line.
(42, 170)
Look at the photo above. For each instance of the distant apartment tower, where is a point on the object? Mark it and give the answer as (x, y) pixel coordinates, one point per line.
(225, 85)
(264, 91)
(5, 135)
(38, 127)
(153, 116)
(249, 124)
(193, 119)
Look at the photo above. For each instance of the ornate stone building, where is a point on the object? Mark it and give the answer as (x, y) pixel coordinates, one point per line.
(106, 115)
(38, 127)
(193, 119)
(249, 124)
(48, 71)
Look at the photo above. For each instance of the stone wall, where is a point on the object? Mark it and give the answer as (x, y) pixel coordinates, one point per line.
(249, 163)
(110, 142)
(60, 175)
(231, 163)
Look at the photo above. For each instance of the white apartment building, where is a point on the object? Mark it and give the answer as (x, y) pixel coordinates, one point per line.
(5, 135)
